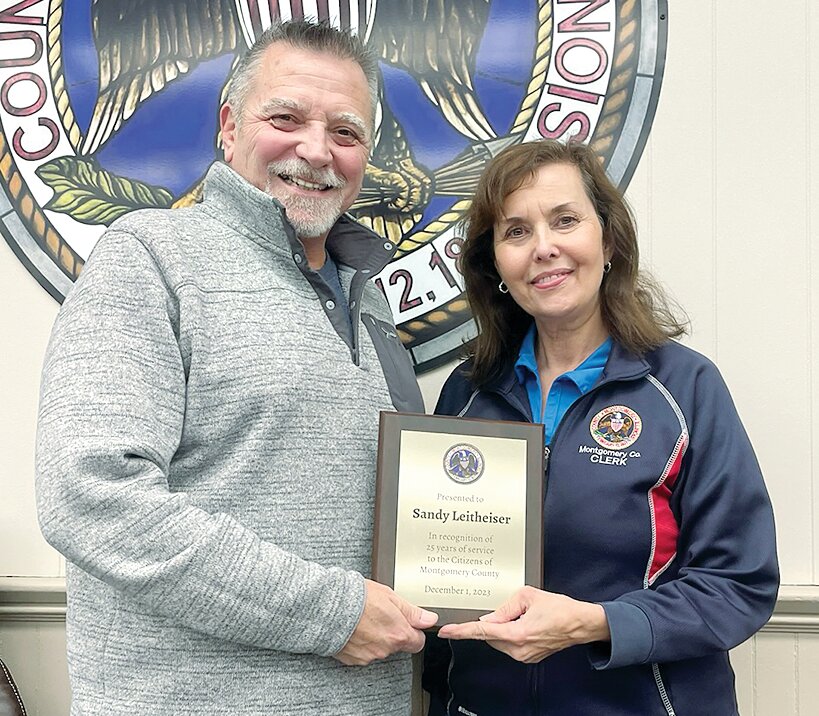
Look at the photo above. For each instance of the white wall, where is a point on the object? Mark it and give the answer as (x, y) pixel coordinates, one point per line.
(26, 315)
(727, 200)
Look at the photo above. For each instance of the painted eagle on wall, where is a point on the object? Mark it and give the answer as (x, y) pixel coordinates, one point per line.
(144, 45)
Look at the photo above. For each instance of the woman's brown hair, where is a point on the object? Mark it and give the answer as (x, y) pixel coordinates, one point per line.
(635, 310)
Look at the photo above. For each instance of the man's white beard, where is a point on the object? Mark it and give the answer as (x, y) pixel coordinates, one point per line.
(310, 216)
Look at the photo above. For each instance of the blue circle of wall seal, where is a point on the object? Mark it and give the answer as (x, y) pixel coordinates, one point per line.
(106, 107)
(463, 463)
(616, 427)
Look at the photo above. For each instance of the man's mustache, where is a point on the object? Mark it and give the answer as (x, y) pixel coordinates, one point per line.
(299, 169)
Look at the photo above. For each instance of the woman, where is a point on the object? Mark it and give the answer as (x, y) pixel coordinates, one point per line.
(660, 548)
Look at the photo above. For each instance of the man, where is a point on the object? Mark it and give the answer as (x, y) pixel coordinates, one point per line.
(207, 434)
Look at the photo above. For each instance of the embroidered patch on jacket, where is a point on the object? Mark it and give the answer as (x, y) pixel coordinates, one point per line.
(616, 427)
(463, 463)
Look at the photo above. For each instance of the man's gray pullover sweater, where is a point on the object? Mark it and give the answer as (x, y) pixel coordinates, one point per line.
(205, 461)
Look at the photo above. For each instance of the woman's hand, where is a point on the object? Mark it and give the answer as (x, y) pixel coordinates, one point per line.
(534, 624)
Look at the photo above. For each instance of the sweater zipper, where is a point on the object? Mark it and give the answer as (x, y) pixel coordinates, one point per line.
(355, 318)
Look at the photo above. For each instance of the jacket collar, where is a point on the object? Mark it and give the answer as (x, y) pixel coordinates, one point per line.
(236, 202)
(623, 365)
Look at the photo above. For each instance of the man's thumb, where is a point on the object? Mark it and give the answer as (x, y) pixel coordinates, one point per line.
(418, 618)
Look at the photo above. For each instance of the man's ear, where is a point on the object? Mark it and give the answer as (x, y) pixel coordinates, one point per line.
(227, 126)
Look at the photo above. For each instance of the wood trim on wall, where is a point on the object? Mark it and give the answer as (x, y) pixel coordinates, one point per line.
(797, 610)
(34, 599)
(43, 599)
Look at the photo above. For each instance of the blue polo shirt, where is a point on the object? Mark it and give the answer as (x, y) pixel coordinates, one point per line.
(565, 389)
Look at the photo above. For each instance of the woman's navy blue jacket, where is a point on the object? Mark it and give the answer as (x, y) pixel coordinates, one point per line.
(672, 532)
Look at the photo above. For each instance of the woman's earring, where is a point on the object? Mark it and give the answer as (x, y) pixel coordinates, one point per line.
(502, 287)
(607, 267)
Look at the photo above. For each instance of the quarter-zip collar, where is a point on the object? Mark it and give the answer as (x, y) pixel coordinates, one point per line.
(236, 202)
(232, 200)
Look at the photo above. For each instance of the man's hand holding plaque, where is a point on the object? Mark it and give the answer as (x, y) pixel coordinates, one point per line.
(388, 625)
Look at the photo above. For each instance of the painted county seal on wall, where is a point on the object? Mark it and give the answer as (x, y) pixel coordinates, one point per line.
(107, 106)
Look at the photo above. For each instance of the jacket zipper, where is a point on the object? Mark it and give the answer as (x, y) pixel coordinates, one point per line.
(547, 453)
(658, 680)
(655, 669)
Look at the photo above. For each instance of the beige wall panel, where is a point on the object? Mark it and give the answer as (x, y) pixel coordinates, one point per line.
(776, 673)
(811, 238)
(25, 323)
(742, 659)
(35, 655)
(807, 683)
(762, 278)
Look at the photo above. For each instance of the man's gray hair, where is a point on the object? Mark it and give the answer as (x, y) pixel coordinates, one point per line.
(304, 35)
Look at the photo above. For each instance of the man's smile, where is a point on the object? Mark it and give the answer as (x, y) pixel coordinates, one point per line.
(303, 183)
